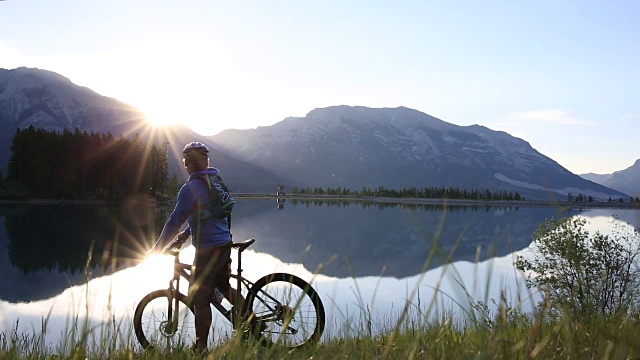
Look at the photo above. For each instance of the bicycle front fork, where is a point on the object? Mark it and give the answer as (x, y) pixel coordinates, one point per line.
(173, 310)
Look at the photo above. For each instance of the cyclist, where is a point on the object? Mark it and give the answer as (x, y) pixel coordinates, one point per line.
(210, 236)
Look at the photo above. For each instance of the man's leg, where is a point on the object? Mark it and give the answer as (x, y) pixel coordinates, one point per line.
(203, 323)
(233, 296)
(206, 266)
(222, 282)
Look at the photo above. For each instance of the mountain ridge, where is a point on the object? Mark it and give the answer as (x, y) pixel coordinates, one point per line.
(625, 180)
(346, 145)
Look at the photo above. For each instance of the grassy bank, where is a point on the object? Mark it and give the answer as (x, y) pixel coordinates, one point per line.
(504, 333)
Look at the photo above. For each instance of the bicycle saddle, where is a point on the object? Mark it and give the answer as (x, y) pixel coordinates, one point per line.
(243, 244)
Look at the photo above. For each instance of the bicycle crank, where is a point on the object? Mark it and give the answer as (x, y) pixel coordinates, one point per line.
(285, 313)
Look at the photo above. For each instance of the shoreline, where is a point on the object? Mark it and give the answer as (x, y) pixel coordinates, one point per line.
(373, 199)
(444, 202)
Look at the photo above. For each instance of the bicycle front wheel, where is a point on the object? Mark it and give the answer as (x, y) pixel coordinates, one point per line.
(288, 311)
(155, 328)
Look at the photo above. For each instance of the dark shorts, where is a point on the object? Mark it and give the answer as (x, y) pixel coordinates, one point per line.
(211, 268)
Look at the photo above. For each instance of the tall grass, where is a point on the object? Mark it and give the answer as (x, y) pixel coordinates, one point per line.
(514, 337)
(488, 331)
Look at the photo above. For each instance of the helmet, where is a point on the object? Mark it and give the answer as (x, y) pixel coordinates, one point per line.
(196, 148)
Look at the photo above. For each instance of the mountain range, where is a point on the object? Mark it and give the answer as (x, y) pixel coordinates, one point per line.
(352, 147)
(339, 146)
(626, 181)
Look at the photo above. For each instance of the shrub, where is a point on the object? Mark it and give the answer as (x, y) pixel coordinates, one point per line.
(582, 274)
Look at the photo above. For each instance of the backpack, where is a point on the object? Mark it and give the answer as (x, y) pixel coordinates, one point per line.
(220, 196)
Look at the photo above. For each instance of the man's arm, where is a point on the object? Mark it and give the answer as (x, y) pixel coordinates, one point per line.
(178, 216)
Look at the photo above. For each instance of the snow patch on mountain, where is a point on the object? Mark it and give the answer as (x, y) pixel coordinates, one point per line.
(521, 184)
(563, 191)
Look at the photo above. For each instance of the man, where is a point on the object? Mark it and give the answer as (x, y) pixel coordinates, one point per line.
(210, 237)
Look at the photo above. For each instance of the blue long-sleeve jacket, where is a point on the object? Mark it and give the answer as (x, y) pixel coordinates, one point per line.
(194, 195)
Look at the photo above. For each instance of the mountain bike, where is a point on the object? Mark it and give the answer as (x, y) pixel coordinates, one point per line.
(280, 309)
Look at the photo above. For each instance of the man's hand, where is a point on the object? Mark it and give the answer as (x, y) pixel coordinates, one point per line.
(183, 236)
(151, 251)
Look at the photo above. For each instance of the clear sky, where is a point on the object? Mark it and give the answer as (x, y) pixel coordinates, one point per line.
(562, 75)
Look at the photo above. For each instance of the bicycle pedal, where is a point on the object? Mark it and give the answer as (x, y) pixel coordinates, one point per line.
(259, 326)
(228, 315)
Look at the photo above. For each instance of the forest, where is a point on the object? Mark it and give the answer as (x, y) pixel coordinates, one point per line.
(416, 193)
(84, 166)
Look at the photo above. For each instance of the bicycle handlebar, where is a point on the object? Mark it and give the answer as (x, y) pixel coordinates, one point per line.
(173, 246)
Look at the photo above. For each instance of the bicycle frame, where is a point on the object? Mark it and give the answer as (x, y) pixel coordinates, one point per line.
(184, 270)
(179, 269)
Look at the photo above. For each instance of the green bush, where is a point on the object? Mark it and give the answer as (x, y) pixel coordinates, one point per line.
(582, 274)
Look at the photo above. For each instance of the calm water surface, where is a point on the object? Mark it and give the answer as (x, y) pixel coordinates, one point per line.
(367, 261)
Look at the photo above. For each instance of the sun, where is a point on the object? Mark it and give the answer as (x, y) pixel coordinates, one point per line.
(172, 79)
(158, 115)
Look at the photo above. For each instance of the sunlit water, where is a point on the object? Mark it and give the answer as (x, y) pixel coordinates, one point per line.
(357, 301)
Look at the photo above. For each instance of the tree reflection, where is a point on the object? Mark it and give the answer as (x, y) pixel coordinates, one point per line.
(437, 206)
(70, 237)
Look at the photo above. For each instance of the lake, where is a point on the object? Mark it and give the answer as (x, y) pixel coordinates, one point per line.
(366, 260)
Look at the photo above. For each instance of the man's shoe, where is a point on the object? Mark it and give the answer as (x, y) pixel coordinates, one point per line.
(258, 326)
(197, 351)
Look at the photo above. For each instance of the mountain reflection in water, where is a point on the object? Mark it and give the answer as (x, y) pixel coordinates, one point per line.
(47, 246)
(355, 239)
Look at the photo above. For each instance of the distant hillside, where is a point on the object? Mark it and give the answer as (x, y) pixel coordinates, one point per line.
(626, 181)
(50, 101)
(357, 147)
(596, 178)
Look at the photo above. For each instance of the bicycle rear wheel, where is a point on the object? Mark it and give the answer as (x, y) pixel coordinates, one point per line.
(153, 327)
(288, 311)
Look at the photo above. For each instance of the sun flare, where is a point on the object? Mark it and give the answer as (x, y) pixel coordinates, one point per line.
(158, 115)
(155, 266)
